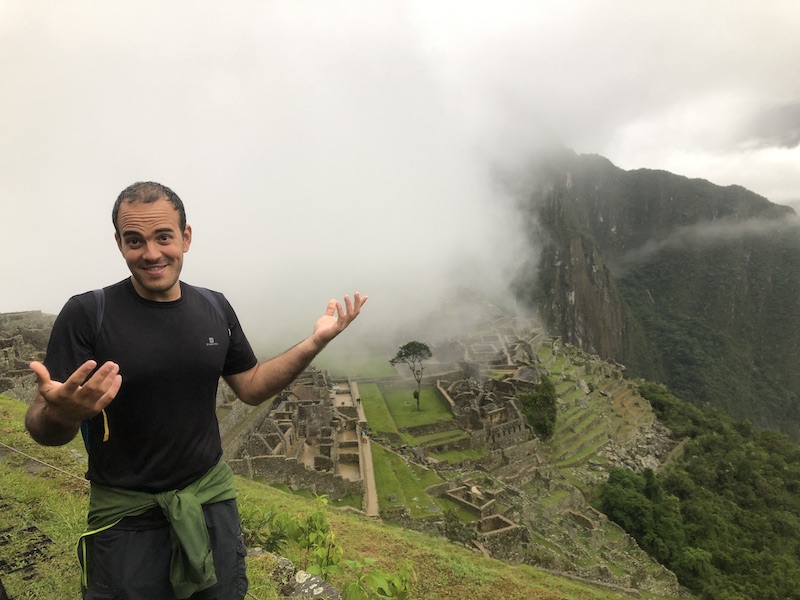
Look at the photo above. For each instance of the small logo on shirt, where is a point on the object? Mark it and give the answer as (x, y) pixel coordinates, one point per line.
(211, 342)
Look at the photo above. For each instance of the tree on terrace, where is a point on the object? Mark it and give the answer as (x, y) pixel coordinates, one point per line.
(413, 354)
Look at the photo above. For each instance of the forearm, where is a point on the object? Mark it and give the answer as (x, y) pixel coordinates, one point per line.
(272, 376)
(45, 427)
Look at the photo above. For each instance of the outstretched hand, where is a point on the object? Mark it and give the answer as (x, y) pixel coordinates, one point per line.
(77, 399)
(337, 318)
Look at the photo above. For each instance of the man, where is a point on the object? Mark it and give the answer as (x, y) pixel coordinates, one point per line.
(135, 368)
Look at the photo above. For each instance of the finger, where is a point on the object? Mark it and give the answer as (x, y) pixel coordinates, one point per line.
(101, 380)
(75, 380)
(348, 304)
(112, 386)
(332, 303)
(340, 314)
(41, 372)
(101, 388)
(359, 301)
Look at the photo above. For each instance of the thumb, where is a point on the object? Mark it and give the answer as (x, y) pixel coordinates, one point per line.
(41, 372)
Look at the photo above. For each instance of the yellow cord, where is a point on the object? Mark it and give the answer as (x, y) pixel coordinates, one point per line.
(105, 426)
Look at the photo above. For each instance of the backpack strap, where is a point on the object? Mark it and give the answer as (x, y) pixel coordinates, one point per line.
(100, 300)
(214, 301)
(100, 307)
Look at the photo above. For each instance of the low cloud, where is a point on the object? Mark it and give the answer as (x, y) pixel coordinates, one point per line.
(711, 233)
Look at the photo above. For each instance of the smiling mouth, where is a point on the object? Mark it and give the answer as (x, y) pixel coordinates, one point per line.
(154, 268)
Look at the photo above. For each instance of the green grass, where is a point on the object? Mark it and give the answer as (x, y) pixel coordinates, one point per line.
(560, 364)
(375, 409)
(588, 424)
(353, 500)
(51, 500)
(285, 488)
(564, 386)
(574, 396)
(581, 456)
(464, 514)
(456, 456)
(442, 437)
(395, 477)
(557, 497)
(403, 407)
(426, 477)
(544, 542)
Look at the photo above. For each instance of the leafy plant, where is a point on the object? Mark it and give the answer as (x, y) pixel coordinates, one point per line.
(325, 558)
(262, 527)
(314, 535)
(374, 583)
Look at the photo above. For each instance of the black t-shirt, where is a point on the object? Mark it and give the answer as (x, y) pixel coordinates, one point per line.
(162, 427)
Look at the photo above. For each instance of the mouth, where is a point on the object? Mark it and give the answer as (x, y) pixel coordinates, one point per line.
(154, 269)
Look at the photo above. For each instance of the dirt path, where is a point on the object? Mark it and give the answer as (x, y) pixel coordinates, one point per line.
(370, 492)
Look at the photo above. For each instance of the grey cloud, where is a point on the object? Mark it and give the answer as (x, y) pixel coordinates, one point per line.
(775, 126)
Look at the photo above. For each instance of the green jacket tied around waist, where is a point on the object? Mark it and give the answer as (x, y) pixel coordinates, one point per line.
(192, 565)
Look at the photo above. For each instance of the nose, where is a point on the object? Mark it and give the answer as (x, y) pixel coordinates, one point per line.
(151, 251)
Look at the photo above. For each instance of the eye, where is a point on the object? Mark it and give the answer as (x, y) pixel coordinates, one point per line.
(132, 242)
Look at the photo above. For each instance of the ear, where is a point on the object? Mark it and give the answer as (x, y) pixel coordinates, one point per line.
(118, 240)
(187, 238)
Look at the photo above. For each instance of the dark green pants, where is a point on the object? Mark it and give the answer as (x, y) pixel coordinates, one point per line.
(131, 560)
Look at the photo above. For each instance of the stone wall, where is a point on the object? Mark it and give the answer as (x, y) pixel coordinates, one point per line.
(507, 434)
(401, 515)
(279, 470)
(462, 444)
(428, 428)
(235, 445)
(505, 543)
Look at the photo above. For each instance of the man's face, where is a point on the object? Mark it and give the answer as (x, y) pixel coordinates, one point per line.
(153, 245)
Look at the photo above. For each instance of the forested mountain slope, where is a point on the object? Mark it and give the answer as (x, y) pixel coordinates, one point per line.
(683, 281)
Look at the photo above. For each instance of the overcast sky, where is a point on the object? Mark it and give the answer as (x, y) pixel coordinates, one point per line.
(326, 147)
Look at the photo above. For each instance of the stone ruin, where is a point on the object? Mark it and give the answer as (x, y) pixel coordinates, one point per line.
(491, 414)
(474, 499)
(23, 338)
(309, 437)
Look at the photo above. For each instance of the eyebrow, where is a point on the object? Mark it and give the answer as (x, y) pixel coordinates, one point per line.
(156, 232)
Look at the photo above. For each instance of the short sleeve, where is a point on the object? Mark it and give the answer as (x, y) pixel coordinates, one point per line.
(240, 355)
(72, 338)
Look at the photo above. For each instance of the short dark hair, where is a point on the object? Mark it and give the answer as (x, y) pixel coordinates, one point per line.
(147, 192)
